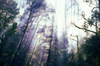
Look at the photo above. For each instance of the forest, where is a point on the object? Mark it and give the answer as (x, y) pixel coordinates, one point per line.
(49, 33)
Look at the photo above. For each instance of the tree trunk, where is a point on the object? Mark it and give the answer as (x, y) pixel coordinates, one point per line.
(49, 55)
(20, 44)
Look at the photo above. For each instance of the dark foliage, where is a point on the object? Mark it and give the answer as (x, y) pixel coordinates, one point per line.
(8, 33)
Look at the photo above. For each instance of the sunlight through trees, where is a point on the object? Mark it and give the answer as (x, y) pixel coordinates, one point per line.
(49, 33)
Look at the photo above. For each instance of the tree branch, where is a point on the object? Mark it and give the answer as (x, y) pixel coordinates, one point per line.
(85, 29)
(83, 15)
(94, 8)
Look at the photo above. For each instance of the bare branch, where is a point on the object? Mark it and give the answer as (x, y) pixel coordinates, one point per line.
(83, 15)
(74, 40)
(94, 8)
(85, 29)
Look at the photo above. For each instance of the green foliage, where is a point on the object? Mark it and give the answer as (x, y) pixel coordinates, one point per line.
(72, 60)
(11, 31)
(8, 34)
(8, 12)
(89, 51)
(94, 17)
(91, 48)
(88, 54)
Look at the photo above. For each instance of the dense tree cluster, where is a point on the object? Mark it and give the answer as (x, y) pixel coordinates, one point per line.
(88, 52)
(15, 44)
(8, 35)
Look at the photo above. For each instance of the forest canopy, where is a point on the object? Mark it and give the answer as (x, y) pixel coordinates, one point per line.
(29, 35)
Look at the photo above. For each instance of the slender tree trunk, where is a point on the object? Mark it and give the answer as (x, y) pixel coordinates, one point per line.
(32, 38)
(49, 55)
(20, 44)
(96, 28)
(99, 6)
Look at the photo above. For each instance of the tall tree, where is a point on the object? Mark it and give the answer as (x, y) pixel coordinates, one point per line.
(33, 8)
